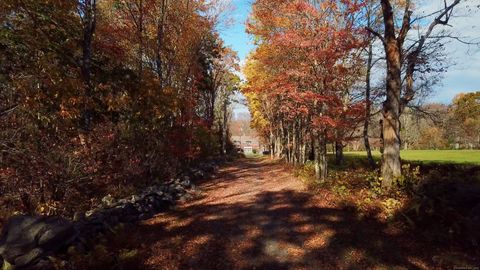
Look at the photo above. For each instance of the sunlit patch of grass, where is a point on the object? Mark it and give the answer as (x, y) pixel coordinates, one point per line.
(431, 156)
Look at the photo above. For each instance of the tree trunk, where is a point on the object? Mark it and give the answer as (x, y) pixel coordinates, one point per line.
(297, 142)
(89, 25)
(391, 167)
(366, 124)
(339, 157)
(303, 147)
(303, 153)
(282, 141)
(278, 144)
(160, 37)
(320, 149)
(224, 127)
(289, 147)
(140, 41)
(294, 146)
(311, 148)
(272, 144)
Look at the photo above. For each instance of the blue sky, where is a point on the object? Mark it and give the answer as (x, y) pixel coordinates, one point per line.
(235, 36)
(464, 76)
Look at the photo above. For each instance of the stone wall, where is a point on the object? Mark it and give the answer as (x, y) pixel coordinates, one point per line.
(27, 241)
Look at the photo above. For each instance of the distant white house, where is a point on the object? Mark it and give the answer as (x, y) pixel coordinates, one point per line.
(244, 137)
(249, 144)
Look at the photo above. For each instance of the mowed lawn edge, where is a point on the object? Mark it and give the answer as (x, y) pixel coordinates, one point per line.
(466, 157)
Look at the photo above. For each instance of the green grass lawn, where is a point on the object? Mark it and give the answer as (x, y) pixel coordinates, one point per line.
(433, 156)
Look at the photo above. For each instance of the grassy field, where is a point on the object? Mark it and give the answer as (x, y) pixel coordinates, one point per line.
(433, 156)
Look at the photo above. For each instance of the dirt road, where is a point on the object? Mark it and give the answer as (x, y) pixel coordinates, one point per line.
(256, 215)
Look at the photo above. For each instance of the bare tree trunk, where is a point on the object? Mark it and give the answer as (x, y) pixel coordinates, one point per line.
(272, 144)
(320, 149)
(296, 142)
(224, 127)
(394, 105)
(278, 144)
(141, 43)
(303, 147)
(89, 25)
(303, 153)
(380, 124)
(366, 124)
(289, 148)
(160, 35)
(282, 141)
(311, 148)
(339, 157)
(391, 166)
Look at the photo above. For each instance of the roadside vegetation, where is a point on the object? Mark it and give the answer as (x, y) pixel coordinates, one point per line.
(437, 200)
(100, 99)
(107, 97)
(329, 77)
(272, 222)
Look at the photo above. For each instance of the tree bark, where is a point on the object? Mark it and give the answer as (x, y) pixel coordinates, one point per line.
(321, 163)
(225, 127)
(89, 25)
(272, 144)
(339, 157)
(391, 166)
(368, 103)
(160, 37)
(289, 147)
(278, 144)
(394, 105)
(282, 141)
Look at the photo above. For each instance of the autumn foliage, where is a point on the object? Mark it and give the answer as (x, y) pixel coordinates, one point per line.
(102, 97)
(302, 76)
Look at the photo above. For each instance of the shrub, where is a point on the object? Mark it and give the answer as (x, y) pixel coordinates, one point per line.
(374, 183)
(411, 176)
(341, 190)
(391, 206)
(306, 173)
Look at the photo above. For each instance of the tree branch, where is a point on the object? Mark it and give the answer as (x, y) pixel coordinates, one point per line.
(406, 24)
(459, 39)
(375, 33)
(412, 58)
(7, 111)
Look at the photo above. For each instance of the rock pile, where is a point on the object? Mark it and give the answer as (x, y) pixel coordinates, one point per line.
(26, 240)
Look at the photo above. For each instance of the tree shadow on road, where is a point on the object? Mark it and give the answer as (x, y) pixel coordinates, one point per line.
(276, 227)
(279, 230)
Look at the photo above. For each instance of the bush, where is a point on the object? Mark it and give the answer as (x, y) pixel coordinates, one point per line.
(306, 173)
(411, 176)
(391, 206)
(341, 190)
(374, 183)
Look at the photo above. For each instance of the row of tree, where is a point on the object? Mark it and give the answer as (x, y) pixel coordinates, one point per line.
(430, 126)
(439, 126)
(98, 95)
(310, 80)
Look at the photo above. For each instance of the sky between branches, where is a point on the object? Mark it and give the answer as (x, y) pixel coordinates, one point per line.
(463, 76)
